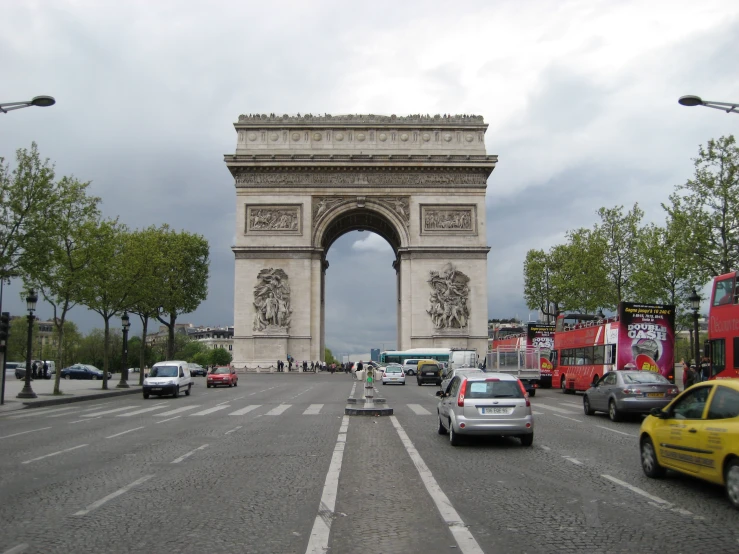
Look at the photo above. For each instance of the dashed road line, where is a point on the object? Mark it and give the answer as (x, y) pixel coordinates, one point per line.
(278, 410)
(55, 453)
(553, 408)
(184, 456)
(124, 432)
(546, 448)
(615, 431)
(210, 410)
(106, 412)
(81, 420)
(143, 411)
(177, 411)
(47, 411)
(112, 495)
(170, 419)
(313, 409)
(246, 410)
(466, 542)
(17, 549)
(318, 543)
(570, 418)
(418, 409)
(25, 432)
(232, 430)
(573, 460)
(656, 499)
(537, 413)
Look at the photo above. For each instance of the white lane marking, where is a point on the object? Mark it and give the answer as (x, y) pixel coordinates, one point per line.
(25, 432)
(93, 407)
(124, 432)
(279, 409)
(81, 420)
(263, 390)
(466, 542)
(95, 414)
(178, 460)
(54, 453)
(573, 460)
(554, 409)
(36, 412)
(170, 419)
(177, 411)
(17, 549)
(619, 432)
(351, 394)
(238, 398)
(232, 430)
(576, 406)
(544, 448)
(570, 418)
(313, 409)
(306, 390)
(656, 499)
(112, 495)
(222, 403)
(210, 410)
(143, 411)
(418, 409)
(537, 413)
(318, 543)
(246, 410)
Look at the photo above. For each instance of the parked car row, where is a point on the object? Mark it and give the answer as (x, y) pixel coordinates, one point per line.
(83, 371)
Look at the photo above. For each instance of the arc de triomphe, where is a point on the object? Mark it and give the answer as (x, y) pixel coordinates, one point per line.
(303, 181)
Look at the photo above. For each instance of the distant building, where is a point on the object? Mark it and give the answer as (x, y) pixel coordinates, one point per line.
(162, 334)
(213, 337)
(375, 354)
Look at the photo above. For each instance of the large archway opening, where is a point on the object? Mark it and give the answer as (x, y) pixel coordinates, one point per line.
(360, 307)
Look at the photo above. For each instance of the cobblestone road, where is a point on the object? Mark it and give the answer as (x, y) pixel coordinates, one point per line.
(251, 469)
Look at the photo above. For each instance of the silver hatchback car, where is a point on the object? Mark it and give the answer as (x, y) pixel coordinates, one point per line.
(393, 374)
(628, 391)
(493, 404)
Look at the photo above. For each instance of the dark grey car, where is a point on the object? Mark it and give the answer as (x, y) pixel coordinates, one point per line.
(621, 392)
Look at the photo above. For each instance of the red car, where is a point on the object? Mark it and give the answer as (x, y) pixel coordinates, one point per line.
(222, 376)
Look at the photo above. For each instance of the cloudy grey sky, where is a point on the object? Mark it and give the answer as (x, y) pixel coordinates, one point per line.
(580, 96)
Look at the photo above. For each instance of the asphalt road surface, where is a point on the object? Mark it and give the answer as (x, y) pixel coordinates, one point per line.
(273, 465)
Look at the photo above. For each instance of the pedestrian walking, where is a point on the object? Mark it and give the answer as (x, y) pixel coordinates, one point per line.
(45, 370)
(705, 369)
(290, 365)
(692, 376)
(34, 369)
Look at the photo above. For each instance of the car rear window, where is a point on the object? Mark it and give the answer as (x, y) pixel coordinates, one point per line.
(221, 370)
(493, 389)
(393, 370)
(644, 377)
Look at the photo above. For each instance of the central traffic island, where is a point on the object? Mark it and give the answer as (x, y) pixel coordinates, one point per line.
(368, 404)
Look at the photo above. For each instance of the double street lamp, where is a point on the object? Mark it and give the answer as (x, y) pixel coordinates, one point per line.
(125, 323)
(691, 100)
(40, 101)
(27, 391)
(695, 303)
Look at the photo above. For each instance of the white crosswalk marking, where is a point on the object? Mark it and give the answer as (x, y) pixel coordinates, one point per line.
(137, 412)
(246, 410)
(418, 409)
(279, 409)
(38, 411)
(96, 414)
(560, 410)
(178, 410)
(313, 409)
(210, 410)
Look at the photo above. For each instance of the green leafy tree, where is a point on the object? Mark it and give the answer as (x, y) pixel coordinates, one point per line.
(184, 276)
(708, 207)
(620, 235)
(538, 290)
(18, 338)
(203, 358)
(220, 356)
(189, 349)
(92, 348)
(328, 356)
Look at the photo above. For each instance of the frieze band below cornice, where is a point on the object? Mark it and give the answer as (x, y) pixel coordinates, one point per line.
(363, 178)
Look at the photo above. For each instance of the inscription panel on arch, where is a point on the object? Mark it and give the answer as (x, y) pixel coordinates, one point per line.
(274, 219)
(445, 219)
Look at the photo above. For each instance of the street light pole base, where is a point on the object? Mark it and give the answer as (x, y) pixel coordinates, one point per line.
(122, 385)
(27, 392)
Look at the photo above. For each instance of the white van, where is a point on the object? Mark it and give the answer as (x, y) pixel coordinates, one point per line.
(168, 378)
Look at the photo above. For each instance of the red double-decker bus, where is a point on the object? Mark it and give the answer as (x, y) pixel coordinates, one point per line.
(639, 336)
(526, 339)
(723, 327)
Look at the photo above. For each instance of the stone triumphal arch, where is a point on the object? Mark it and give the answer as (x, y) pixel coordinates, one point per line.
(303, 181)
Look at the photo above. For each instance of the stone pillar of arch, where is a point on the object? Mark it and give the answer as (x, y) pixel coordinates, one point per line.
(303, 181)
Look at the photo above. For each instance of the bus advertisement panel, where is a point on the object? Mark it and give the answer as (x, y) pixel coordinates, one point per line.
(646, 337)
(541, 336)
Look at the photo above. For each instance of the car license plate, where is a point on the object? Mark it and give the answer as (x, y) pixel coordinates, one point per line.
(656, 394)
(157, 388)
(497, 411)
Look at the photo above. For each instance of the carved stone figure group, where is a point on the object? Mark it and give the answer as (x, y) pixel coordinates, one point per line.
(448, 219)
(271, 219)
(449, 301)
(272, 300)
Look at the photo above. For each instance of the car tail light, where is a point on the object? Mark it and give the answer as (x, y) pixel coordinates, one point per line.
(525, 394)
(462, 392)
(493, 379)
(672, 391)
(631, 391)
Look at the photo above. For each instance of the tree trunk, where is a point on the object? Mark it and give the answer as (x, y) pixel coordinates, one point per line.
(142, 353)
(170, 339)
(58, 372)
(106, 340)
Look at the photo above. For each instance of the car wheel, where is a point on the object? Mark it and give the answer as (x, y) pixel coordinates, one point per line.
(207, 385)
(454, 439)
(419, 382)
(649, 462)
(230, 384)
(586, 406)
(236, 383)
(66, 376)
(527, 440)
(563, 384)
(613, 412)
(731, 478)
(176, 392)
(442, 429)
(146, 396)
(187, 390)
(533, 392)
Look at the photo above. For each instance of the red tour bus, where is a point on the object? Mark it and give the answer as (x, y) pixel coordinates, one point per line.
(723, 327)
(640, 336)
(534, 335)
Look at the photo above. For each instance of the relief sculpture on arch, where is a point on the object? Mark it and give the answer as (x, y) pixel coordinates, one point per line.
(272, 300)
(449, 299)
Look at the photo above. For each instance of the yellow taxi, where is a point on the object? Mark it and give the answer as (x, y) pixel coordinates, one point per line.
(696, 434)
(429, 371)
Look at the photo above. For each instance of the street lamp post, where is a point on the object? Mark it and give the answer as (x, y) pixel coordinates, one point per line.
(40, 101)
(695, 303)
(691, 100)
(27, 391)
(125, 323)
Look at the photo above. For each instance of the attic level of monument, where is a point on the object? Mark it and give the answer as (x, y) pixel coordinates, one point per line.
(360, 119)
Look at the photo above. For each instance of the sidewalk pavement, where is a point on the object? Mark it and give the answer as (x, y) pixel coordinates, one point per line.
(72, 391)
